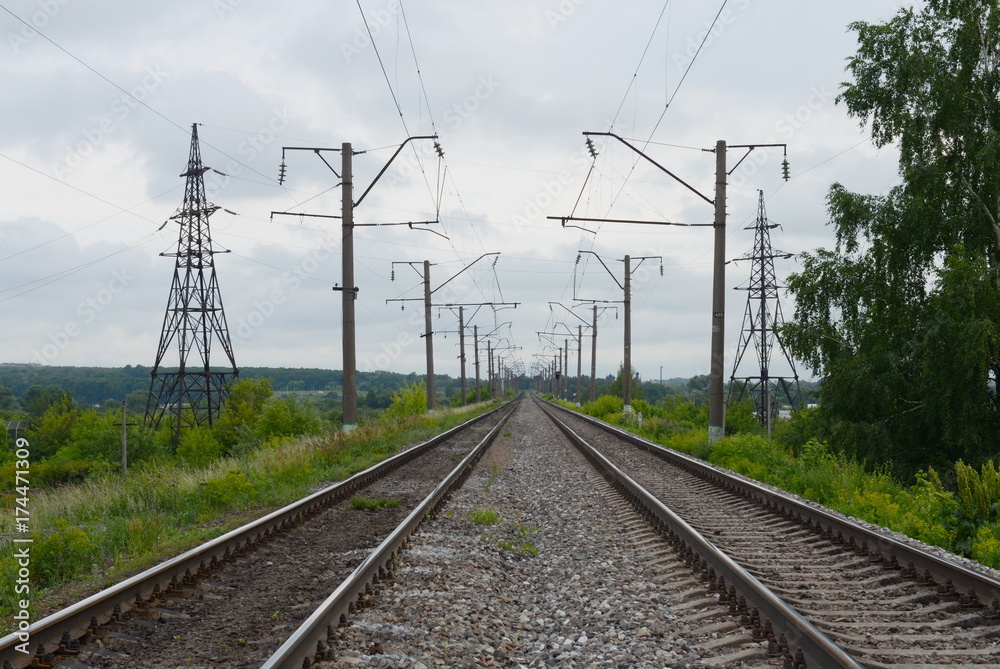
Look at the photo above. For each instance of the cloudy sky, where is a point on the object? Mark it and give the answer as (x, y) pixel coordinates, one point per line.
(100, 95)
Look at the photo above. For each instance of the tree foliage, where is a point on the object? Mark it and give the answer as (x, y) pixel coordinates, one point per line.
(617, 387)
(408, 401)
(901, 317)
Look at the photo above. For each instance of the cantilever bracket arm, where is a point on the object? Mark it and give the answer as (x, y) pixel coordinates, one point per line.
(612, 274)
(661, 167)
(386, 166)
(495, 253)
(318, 150)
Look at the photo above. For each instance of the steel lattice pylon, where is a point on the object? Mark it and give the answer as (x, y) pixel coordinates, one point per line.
(193, 394)
(760, 327)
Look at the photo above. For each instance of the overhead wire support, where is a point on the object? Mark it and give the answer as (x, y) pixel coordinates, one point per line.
(716, 405)
(348, 289)
(428, 335)
(626, 288)
(583, 219)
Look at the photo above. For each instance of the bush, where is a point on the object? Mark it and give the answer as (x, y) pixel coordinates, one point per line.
(693, 442)
(755, 456)
(978, 492)
(61, 555)
(408, 401)
(232, 490)
(288, 417)
(53, 472)
(603, 407)
(199, 446)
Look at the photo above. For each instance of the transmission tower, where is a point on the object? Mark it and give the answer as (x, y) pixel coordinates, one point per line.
(761, 325)
(192, 394)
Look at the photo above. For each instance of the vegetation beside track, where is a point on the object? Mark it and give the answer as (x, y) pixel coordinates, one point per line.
(90, 535)
(957, 509)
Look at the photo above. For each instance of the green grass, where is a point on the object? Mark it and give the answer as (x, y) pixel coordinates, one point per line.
(93, 534)
(965, 520)
(520, 540)
(374, 503)
(483, 517)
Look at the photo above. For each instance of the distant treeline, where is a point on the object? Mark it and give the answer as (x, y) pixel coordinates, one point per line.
(98, 385)
(95, 385)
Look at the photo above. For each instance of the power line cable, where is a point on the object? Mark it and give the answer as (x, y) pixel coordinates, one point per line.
(183, 129)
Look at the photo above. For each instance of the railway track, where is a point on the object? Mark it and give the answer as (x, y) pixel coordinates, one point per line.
(232, 601)
(641, 557)
(882, 602)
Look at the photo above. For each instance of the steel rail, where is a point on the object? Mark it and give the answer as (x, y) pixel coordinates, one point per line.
(975, 588)
(310, 639)
(816, 648)
(57, 631)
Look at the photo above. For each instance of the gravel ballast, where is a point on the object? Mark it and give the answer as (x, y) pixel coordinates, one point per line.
(565, 577)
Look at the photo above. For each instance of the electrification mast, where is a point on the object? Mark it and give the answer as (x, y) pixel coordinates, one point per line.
(192, 394)
(761, 327)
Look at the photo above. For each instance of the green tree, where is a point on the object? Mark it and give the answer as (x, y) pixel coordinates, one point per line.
(199, 446)
(241, 411)
(38, 399)
(7, 400)
(408, 401)
(288, 417)
(901, 317)
(55, 427)
(617, 386)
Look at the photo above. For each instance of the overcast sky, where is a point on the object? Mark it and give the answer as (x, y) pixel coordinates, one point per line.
(99, 98)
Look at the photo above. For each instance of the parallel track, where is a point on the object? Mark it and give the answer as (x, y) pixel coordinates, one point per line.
(882, 602)
(60, 635)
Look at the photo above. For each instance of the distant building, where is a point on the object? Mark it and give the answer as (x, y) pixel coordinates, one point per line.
(16, 428)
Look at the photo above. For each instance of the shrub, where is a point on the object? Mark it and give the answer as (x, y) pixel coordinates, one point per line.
(978, 492)
(242, 409)
(61, 555)
(751, 455)
(693, 442)
(408, 401)
(288, 417)
(232, 490)
(199, 446)
(603, 406)
(986, 545)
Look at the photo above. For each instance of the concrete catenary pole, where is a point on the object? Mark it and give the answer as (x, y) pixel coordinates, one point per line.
(475, 348)
(716, 397)
(349, 294)
(627, 372)
(593, 359)
(461, 349)
(429, 335)
(579, 365)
